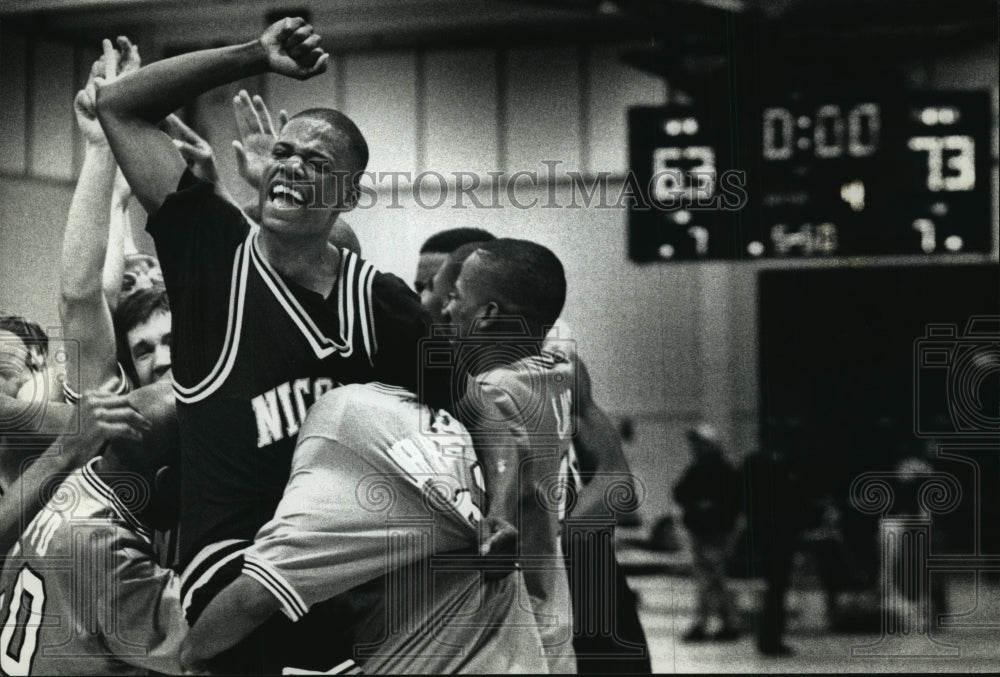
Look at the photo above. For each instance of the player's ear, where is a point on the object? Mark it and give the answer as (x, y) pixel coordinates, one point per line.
(491, 310)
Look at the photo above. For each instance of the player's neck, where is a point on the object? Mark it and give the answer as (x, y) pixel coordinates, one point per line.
(310, 263)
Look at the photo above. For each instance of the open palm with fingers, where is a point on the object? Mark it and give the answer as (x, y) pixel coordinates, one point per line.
(257, 135)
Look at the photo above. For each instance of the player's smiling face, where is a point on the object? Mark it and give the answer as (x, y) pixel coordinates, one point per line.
(303, 187)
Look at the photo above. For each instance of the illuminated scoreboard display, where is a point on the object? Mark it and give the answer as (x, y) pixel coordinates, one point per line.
(817, 175)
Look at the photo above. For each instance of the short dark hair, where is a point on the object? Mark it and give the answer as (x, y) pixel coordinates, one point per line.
(134, 310)
(346, 128)
(528, 278)
(32, 335)
(449, 240)
(455, 260)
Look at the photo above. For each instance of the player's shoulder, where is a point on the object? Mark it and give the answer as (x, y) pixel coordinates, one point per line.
(528, 372)
(395, 296)
(350, 409)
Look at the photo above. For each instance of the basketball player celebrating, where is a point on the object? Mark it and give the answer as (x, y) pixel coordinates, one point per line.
(518, 406)
(264, 322)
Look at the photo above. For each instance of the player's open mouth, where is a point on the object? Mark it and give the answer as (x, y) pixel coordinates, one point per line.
(285, 197)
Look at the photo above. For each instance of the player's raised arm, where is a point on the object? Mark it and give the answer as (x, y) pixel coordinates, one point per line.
(131, 108)
(83, 307)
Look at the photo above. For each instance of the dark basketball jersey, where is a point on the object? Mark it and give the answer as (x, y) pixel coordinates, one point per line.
(251, 353)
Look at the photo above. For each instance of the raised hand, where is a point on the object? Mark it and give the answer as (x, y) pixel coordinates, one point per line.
(107, 68)
(257, 135)
(196, 151)
(293, 49)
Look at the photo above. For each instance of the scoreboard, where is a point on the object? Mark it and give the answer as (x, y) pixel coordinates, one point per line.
(807, 173)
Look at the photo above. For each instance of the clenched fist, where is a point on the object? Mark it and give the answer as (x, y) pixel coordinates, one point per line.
(293, 49)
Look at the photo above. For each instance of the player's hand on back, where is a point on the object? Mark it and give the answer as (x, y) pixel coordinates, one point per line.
(257, 135)
(293, 49)
(103, 417)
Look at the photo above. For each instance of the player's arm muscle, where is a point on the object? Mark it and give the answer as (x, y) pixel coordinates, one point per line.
(55, 416)
(230, 617)
(131, 107)
(85, 315)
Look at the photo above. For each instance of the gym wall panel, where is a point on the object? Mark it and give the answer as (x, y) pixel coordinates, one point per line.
(51, 111)
(85, 57)
(13, 84)
(32, 219)
(542, 109)
(613, 87)
(461, 111)
(295, 95)
(380, 95)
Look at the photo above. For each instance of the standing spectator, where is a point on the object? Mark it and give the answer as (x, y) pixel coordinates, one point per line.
(708, 492)
(773, 505)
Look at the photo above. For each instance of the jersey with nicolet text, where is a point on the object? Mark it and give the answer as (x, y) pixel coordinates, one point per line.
(252, 351)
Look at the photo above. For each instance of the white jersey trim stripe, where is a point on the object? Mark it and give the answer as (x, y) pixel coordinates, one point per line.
(348, 667)
(210, 572)
(106, 494)
(124, 386)
(234, 327)
(264, 573)
(322, 345)
(347, 291)
(365, 306)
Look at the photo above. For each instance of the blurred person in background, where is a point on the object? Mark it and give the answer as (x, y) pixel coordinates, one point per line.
(774, 508)
(709, 494)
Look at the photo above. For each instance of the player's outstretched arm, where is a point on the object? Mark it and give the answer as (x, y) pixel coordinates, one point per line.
(232, 615)
(131, 108)
(120, 241)
(53, 420)
(83, 307)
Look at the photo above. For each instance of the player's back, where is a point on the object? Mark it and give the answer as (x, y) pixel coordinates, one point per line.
(81, 593)
(526, 408)
(380, 486)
